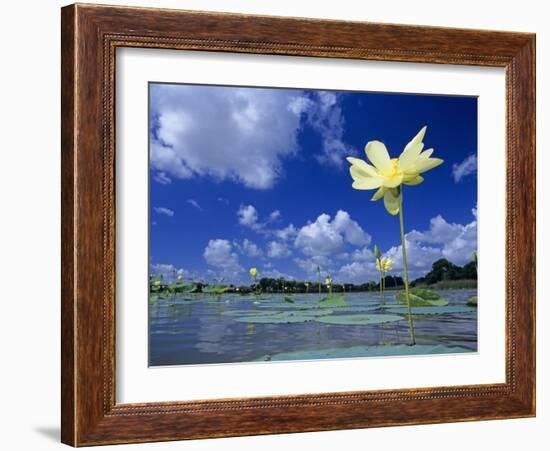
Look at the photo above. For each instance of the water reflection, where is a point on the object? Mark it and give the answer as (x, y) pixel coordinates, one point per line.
(195, 329)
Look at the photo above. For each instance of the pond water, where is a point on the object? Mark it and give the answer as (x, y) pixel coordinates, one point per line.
(203, 328)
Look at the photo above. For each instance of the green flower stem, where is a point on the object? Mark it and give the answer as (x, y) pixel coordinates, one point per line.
(380, 283)
(406, 274)
(383, 287)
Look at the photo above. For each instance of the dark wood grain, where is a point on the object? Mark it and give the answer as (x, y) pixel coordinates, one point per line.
(90, 36)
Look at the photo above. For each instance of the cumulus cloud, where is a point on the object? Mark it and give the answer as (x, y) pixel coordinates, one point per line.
(327, 237)
(219, 254)
(164, 211)
(277, 250)
(442, 239)
(238, 134)
(457, 240)
(466, 167)
(169, 272)
(362, 255)
(248, 248)
(419, 258)
(276, 274)
(287, 233)
(309, 265)
(357, 272)
(248, 217)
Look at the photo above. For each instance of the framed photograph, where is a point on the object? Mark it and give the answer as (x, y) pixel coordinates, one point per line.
(278, 225)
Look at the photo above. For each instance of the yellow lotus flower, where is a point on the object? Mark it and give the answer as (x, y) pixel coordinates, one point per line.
(388, 174)
(386, 264)
(253, 272)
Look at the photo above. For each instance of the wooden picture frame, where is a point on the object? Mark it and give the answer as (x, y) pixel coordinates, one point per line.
(90, 36)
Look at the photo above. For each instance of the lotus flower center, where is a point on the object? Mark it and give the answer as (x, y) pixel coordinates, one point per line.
(394, 170)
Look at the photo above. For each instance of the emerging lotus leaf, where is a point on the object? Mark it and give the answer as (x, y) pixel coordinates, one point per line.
(333, 301)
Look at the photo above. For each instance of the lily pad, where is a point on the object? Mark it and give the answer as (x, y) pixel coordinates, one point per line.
(365, 351)
(357, 309)
(424, 293)
(433, 310)
(277, 318)
(182, 287)
(289, 300)
(359, 320)
(417, 301)
(215, 289)
(333, 301)
(472, 302)
(249, 313)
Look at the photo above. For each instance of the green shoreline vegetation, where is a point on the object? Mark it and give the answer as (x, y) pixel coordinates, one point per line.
(444, 275)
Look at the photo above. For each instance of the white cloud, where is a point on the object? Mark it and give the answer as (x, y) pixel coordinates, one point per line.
(309, 265)
(466, 167)
(277, 250)
(169, 272)
(276, 274)
(195, 204)
(455, 242)
(325, 237)
(248, 248)
(419, 258)
(324, 115)
(164, 211)
(223, 200)
(248, 217)
(440, 232)
(238, 134)
(288, 233)
(219, 254)
(274, 216)
(162, 178)
(352, 232)
(363, 255)
(357, 272)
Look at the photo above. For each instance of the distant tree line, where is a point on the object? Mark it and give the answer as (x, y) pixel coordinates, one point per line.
(443, 270)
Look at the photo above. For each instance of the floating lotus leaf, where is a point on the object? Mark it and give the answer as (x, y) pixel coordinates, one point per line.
(182, 287)
(289, 300)
(359, 320)
(215, 289)
(286, 305)
(277, 318)
(333, 301)
(472, 302)
(433, 310)
(417, 301)
(316, 312)
(424, 293)
(249, 313)
(365, 351)
(357, 309)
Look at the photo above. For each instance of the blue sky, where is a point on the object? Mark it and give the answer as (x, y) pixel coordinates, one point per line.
(243, 177)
